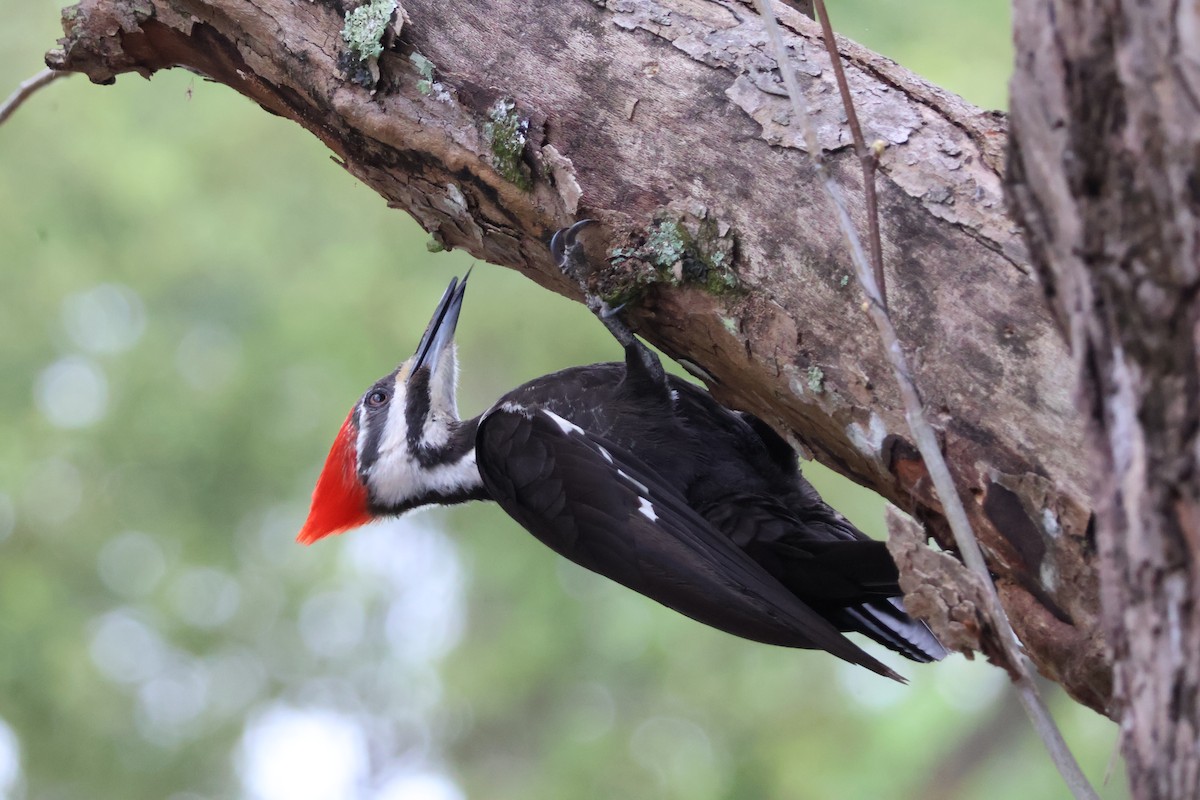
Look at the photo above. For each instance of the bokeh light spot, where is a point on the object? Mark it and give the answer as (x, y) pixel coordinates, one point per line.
(131, 564)
(591, 712)
(72, 392)
(868, 690)
(289, 754)
(681, 755)
(205, 597)
(969, 686)
(419, 786)
(170, 701)
(428, 613)
(108, 318)
(126, 648)
(238, 678)
(10, 759)
(331, 623)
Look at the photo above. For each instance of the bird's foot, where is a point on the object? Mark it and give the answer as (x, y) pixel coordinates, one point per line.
(571, 258)
(569, 253)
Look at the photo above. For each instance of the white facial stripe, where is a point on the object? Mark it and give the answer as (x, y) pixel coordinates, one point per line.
(396, 476)
(393, 442)
(436, 431)
(395, 480)
(361, 442)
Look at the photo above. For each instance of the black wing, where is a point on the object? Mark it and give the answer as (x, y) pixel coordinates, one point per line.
(595, 504)
(829, 564)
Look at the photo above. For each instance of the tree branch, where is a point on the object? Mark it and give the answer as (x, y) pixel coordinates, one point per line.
(27, 89)
(667, 121)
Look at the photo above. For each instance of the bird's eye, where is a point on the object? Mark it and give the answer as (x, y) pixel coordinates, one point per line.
(377, 398)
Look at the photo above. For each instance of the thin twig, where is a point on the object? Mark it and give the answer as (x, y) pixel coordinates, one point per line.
(26, 89)
(923, 433)
(866, 153)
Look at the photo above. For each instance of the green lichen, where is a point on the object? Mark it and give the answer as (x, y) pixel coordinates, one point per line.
(844, 282)
(730, 325)
(816, 380)
(713, 246)
(506, 132)
(628, 291)
(619, 255)
(425, 69)
(71, 23)
(679, 247)
(365, 28)
(424, 65)
(720, 281)
(434, 246)
(666, 243)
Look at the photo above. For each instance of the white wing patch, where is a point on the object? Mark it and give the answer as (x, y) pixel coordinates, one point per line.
(646, 509)
(565, 425)
(513, 408)
(634, 482)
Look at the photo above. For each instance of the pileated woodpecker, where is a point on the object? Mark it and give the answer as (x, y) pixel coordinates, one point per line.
(634, 474)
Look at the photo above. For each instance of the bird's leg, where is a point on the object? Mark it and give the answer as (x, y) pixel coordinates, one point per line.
(571, 257)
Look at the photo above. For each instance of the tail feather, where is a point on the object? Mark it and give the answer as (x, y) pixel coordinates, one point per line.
(889, 624)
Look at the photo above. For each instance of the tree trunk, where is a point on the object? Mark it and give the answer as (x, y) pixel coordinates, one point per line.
(1106, 177)
(495, 123)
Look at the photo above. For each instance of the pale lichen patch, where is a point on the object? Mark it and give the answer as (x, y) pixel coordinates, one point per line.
(816, 379)
(688, 246)
(367, 30)
(868, 440)
(506, 132)
(426, 84)
(456, 201)
(565, 181)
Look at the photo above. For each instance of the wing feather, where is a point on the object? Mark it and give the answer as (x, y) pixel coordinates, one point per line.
(594, 503)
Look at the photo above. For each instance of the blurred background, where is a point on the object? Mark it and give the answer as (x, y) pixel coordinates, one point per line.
(192, 295)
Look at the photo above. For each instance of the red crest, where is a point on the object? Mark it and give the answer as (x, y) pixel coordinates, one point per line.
(339, 501)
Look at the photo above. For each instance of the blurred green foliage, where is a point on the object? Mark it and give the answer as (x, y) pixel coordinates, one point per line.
(191, 296)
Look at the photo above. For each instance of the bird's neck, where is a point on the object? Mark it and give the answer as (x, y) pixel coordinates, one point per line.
(446, 474)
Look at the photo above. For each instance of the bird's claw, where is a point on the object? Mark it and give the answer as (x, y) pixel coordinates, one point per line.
(607, 312)
(571, 260)
(601, 308)
(563, 246)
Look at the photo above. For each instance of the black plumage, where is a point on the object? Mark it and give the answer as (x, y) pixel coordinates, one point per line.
(649, 481)
(639, 476)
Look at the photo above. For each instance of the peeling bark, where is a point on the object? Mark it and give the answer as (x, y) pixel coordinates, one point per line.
(666, 120)
(1106, 177)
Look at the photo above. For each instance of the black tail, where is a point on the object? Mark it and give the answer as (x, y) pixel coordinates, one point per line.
(888, 623)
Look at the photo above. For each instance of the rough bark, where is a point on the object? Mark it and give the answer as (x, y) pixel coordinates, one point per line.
(495, 123)
(1106, 176)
